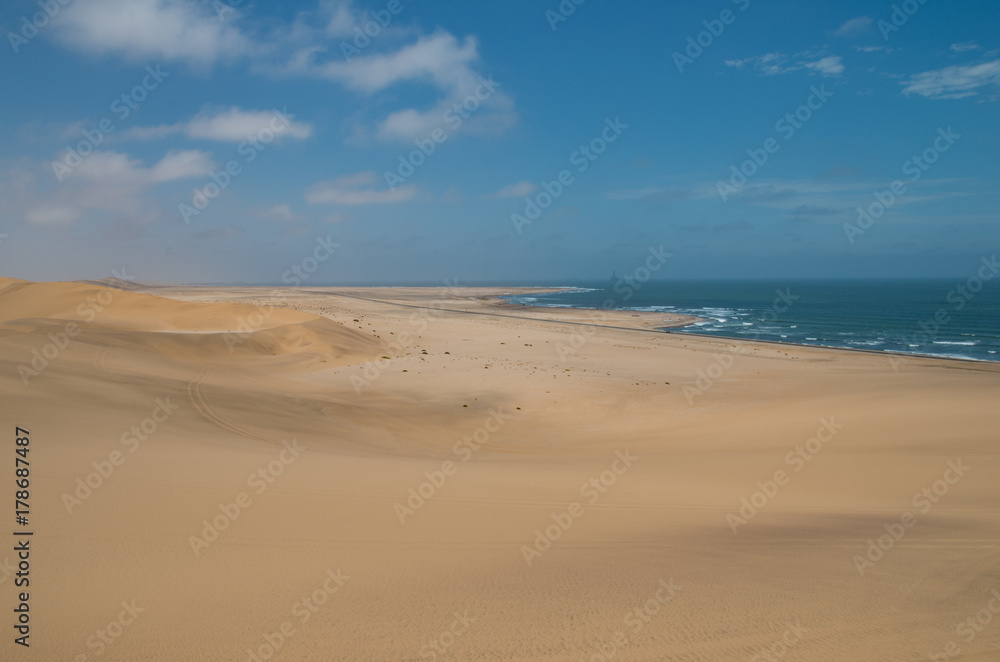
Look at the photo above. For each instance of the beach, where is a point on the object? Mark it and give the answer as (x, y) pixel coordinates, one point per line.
(258, 473)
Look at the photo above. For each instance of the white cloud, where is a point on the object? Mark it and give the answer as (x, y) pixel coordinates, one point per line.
(233, 125)
(201, 34)
(357, 189)
(965, 46)
(773, 64)
(517, 190)
(768, 64)
(840, 195)
(954, 82)
(854, 27)
(451, 196)
(111, 183)
(141, 29)
(342, 18)
(282, 213)
(181, 164)
(828, 66)
(339, 19)
(118, 169)
(52, 214)
(439, 60)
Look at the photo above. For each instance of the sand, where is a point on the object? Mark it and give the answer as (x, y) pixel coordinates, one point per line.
(359, 474)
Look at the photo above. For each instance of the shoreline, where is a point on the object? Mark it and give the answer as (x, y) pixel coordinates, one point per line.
(491, 297)
(691, 321)
(679, 321)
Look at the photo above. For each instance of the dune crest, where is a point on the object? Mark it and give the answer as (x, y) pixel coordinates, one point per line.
(187, 331)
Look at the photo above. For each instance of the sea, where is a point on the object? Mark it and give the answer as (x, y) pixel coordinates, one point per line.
(946, 318)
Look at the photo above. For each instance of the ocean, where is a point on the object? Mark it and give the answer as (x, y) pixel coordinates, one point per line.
(947, 318)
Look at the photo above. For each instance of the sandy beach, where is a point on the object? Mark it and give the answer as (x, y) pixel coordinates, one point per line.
(257, 473)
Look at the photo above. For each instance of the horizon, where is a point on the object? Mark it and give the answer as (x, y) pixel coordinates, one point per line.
(566, 283)
(222, 143)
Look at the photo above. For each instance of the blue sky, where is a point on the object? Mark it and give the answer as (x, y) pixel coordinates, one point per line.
(123, 117)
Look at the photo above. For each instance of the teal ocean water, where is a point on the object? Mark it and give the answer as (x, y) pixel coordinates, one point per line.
(948, 318)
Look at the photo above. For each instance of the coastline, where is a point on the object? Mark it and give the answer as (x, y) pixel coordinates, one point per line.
(470, 299)
(690, 320)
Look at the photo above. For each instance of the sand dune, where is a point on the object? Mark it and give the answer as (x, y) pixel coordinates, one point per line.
(99, 316)
(263, 484)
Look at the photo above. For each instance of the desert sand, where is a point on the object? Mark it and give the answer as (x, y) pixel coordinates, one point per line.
(406, 474)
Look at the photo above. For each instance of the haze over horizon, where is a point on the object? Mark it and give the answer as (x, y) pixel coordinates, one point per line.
(416, 153)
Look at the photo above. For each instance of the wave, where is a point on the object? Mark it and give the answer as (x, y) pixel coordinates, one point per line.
(837, 325)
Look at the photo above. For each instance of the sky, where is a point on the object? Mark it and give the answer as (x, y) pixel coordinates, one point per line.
(513, 141)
